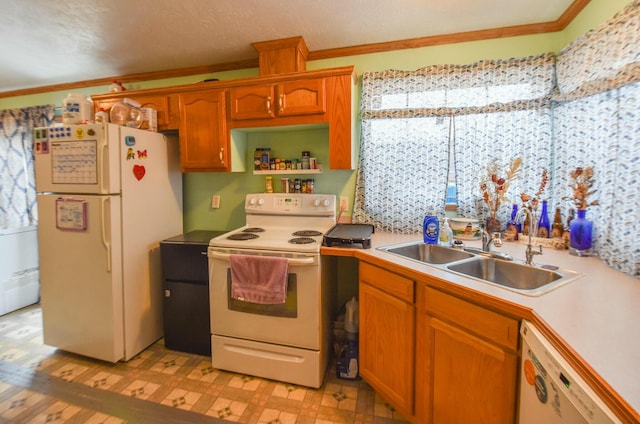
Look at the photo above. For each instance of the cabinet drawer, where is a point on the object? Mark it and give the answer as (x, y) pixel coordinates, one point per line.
(491, 325)
(389, 282)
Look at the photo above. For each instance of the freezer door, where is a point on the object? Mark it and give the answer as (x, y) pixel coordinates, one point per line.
(79, 243)
(77, 159)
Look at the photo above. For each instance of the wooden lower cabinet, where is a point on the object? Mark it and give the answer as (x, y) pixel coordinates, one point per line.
(466, 361)
(437, 358)
(386, 345)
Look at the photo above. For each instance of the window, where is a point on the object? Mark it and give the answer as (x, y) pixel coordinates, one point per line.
(428, 134)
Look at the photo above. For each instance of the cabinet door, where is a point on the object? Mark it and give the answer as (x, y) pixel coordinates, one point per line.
(204, 139)
(386, 346)
(159, 102)
(471, 380)
(302, 97)
(252, 102)
(186, 317)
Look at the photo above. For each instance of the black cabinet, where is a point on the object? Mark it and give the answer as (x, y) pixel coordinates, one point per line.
(186, 292)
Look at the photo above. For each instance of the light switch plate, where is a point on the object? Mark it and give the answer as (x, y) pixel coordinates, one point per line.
(215, 201)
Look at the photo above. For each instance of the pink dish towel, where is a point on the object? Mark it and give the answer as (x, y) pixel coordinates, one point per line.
(259, 279)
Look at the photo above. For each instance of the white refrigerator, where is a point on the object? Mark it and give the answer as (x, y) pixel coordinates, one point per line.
(107, 195)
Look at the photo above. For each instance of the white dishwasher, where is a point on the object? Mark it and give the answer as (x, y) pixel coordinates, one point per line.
(551, 391)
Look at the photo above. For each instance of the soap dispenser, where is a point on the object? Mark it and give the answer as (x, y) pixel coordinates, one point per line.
(446, 234)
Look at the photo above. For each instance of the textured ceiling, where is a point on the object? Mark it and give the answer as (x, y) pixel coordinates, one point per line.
(62, 41)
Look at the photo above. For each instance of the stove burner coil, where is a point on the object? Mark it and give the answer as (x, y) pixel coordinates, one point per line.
(242, 236)
(253, 230)
(302, 240)
(307, 233)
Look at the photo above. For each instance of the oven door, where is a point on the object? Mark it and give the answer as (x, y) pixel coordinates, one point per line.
(295, 323)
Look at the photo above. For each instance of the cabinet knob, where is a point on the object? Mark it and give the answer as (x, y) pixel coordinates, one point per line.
(269, 104)
(167, 293)
(281, 103)
(222, 155)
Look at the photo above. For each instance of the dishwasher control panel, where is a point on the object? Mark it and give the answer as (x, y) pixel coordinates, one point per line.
(551, 389)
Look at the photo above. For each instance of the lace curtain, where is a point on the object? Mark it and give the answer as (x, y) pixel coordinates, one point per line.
(413, 121)
(17, 178)
(403, 167)
(597, 123)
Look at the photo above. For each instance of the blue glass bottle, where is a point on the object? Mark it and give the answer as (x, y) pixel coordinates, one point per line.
(544, 225)
(513, 226)
(580, 233)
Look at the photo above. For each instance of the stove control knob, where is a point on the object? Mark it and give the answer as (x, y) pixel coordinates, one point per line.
(252, 201)
(319, 202)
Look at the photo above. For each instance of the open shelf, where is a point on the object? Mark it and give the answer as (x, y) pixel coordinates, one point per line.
(288, 171)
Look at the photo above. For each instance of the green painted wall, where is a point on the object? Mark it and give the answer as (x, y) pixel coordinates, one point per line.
(199, 187)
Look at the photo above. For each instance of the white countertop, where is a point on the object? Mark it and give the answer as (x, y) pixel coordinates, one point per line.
(597, 315)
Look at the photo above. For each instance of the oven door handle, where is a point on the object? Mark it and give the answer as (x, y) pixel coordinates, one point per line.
(292, 261)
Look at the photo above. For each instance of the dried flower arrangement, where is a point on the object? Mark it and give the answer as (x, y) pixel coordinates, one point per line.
(582, 187)
(494, 188)
(532, 203)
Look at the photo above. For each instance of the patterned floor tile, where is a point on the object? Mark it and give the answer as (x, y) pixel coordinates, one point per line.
(273, 416)
(175, 380)
(103, 380)
(182, 399)
(227, 409)
(59, 412)
(141, 389)
(19, 403)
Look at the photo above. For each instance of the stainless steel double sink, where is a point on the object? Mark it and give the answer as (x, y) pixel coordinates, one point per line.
(518, 277)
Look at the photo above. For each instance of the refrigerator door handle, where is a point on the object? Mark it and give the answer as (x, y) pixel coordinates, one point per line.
(101, 167)
(105, 239)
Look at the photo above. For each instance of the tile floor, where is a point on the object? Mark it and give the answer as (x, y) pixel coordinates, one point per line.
(39, 384)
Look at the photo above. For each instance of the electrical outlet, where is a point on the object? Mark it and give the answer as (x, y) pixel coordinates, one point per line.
(215, 201)
(344, 203)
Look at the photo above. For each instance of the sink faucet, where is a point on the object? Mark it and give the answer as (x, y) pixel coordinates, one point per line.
(489, 240)
(530, 252)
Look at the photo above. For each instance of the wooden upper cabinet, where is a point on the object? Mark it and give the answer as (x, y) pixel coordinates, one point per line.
(288, 98)
(252, 102)
(282, 56)
(162, 104)
(303, 97)
(284, 95)
(204, 138)
(341, 118)
(165, 104)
